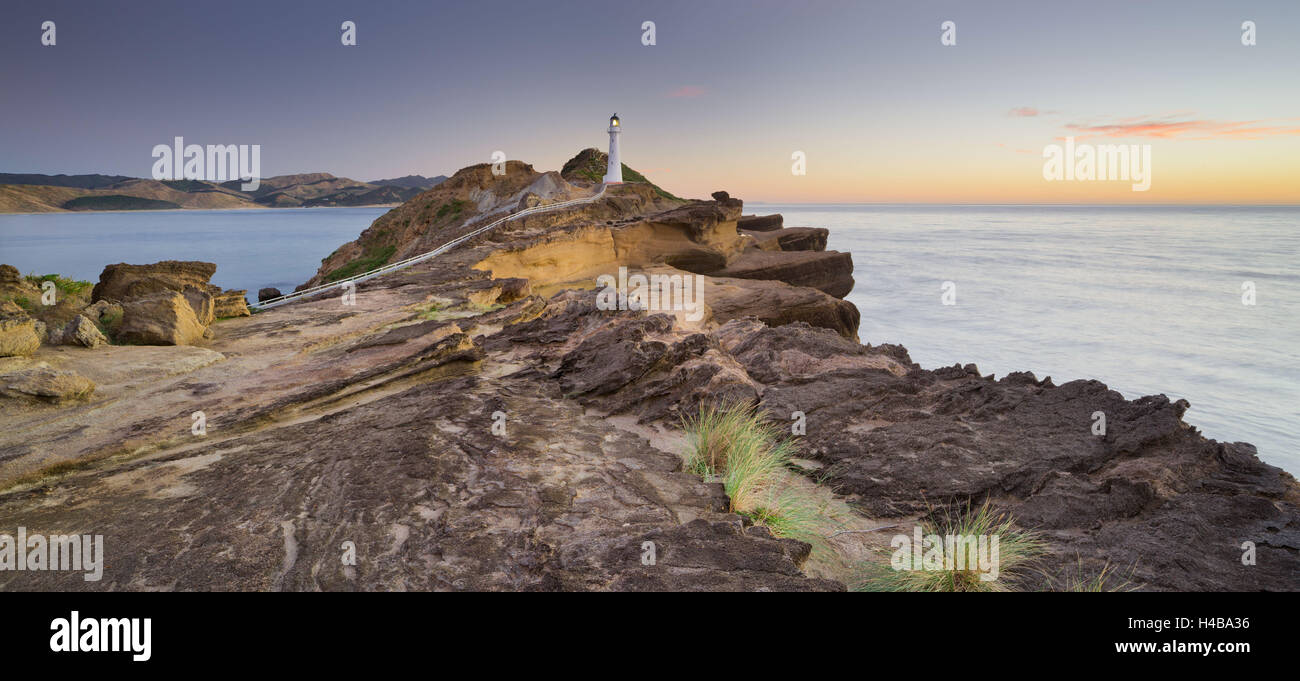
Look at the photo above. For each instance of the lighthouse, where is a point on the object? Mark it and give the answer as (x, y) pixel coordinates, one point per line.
(614, 174)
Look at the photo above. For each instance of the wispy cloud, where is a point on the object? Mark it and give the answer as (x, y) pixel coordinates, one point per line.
(1169, 127)
(687, 91)
(1023, 112)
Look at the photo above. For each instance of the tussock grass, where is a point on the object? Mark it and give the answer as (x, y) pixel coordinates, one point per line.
(1018, 549)
(737, 445)
(751, 455)
(1109, 579)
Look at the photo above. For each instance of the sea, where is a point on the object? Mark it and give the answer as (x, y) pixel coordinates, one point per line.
(1197, 303)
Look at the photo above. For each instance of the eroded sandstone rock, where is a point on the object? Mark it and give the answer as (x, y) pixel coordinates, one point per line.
(122, 282)
(18, 336)
(201, 302)
(41, 382)
(14, 286)
(83, 332)
(163, 318)
(231, 303)
(107, 313)
(777, 303)
(791, 239)
(760, 223)
(828, 271)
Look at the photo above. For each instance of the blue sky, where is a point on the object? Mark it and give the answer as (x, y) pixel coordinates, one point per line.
(881, 109)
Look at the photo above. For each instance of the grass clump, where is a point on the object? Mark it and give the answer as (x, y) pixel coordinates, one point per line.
(66, 286)
(433, 311)
(957, 567)
(1109, 579)
(738, 446)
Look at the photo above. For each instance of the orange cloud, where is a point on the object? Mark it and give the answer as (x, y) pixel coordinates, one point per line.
(1023, 112)
(1188, 129)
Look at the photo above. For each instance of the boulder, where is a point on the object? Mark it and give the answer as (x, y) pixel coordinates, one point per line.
(81, 331)
(267, 294)
(530, 200)
(728, 202)
(202, 302)
(41, 382)
(18, 336)
(123, 281)
(164, 318)
(107, 313)
(760, 223)
(232, 303)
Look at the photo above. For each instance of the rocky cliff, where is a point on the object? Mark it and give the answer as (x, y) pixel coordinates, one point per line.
(481, 422)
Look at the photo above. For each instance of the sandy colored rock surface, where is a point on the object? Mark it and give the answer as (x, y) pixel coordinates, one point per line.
(18, 336)
(40, 382)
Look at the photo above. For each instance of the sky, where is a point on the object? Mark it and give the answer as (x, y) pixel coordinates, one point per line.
(880, 109)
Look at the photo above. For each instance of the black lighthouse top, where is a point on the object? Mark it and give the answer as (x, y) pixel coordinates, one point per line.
(613, 121)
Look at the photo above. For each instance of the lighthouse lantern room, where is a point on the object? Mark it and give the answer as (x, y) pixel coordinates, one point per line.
(614, 173)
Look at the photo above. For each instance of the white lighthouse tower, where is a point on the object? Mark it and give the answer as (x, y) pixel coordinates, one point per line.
(614, 174)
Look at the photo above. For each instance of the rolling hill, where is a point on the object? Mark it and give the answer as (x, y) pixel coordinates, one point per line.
(35, 193)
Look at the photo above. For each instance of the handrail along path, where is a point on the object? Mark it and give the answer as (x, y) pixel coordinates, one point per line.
(403, 264)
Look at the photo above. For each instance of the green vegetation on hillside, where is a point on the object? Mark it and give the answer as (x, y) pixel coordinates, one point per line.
(452, 208)
(373, 258)
(590, 165)
(630, 175)
(117, 202)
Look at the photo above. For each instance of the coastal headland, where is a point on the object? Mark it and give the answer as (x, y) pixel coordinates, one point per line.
(482, 421)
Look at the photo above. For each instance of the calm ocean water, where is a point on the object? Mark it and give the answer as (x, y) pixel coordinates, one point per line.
(1147, 300)
(280, 247)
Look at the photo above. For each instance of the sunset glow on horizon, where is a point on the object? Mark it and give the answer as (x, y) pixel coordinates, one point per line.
(883, 112)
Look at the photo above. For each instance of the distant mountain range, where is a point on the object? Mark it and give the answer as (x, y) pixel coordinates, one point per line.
(35, 193)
